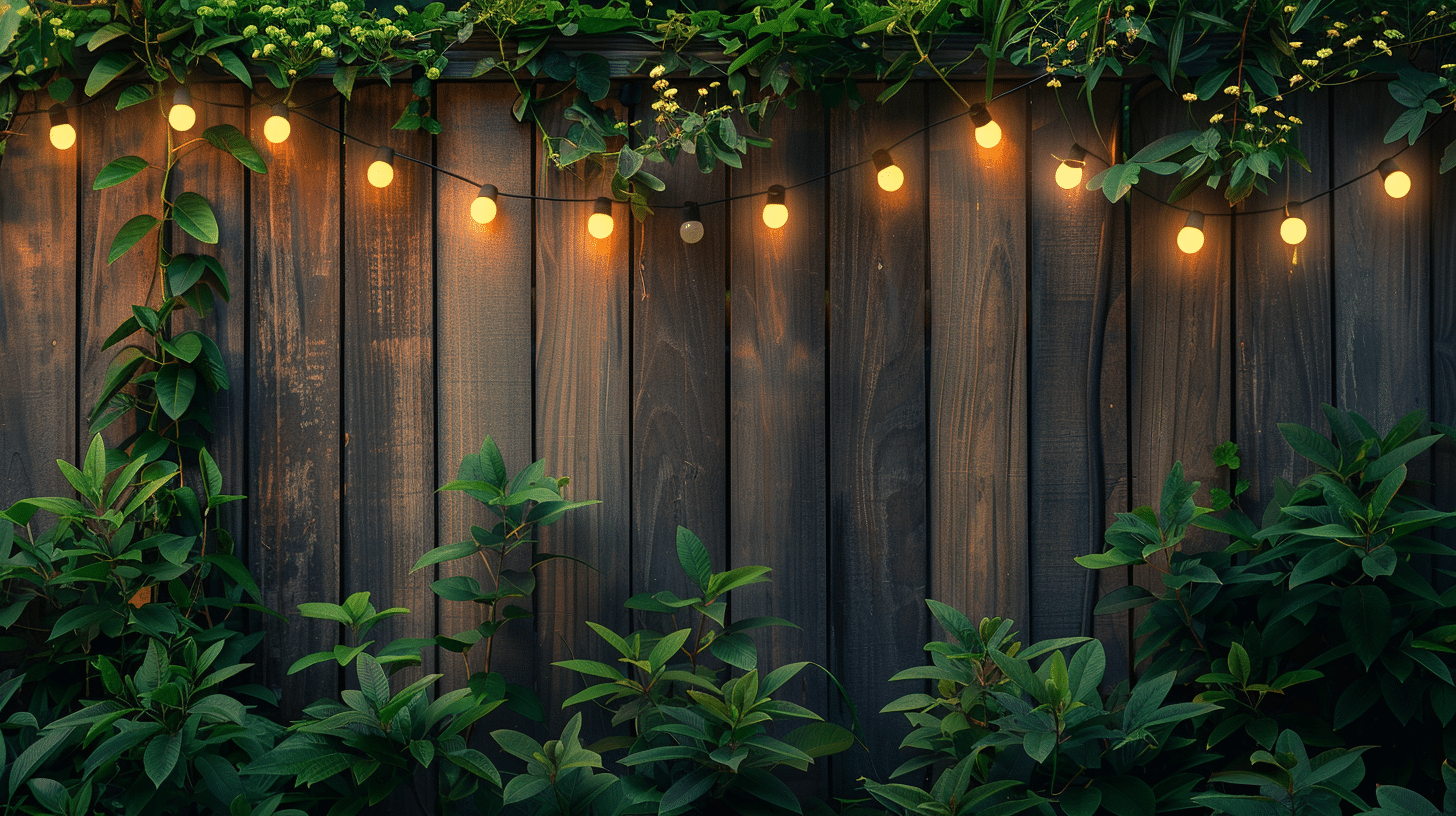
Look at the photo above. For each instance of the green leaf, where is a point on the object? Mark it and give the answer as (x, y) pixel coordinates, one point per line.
(1311, 445)
(1365, 619)
(629, 162)
(109, 67)
(685, 791)
(194, 215)
(1123, 599)
(1238, 661)
(694, 558)
(161, 757)
(233, 65)
(133, 95)
(127, 237)
(1166, 146)
(593, 76)
(231, 140)
(119, 170)
(106, 34)
(176, 385)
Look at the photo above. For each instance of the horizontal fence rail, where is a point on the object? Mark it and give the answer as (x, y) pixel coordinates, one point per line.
(943, 392)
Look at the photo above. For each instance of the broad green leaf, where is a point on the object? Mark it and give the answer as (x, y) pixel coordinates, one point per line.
(194, 215)
(161, 757)
(1365, 619)
(176, 385)
(109, 67)
(233, 65)
(127, 237)
(106, 34)
(133, 95)
(230, 139)
(119, 170)
(693, 557)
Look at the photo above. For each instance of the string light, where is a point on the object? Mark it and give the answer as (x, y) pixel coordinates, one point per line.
(381, 170)
(277, 128)
(1069, 172)
(890, 176)
(1397, 183)
(182, 116)
(1293, 229)
(63, 135)
(483, 208)
(691, 230)
(988, 133)
(1190, 238)
(775, 212)
(600, 224)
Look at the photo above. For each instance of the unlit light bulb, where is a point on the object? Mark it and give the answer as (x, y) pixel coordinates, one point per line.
(63, 135)
(890, 176)
(691, 229)
(1293, 229)
(1069, 172)
(483, 208)
(988, 133)
(182, 116)
(1190, 238)
(1397, 183)
(775, 212)
(381, 170)
(277, 128)
(600, 224)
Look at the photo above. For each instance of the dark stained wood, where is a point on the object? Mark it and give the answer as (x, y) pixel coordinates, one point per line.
(294, 385)
(38, 216)
(389, 406)
(679, 380)
(107, 292)
(1443, 334)
(583, 414)
(1282, 317)
(877, 435)
(1115, 631)
(776, 397)
(218, 177)
(1179, 345)
(1075, 265)
(483, 336)
(1382, 320)
(978, 357)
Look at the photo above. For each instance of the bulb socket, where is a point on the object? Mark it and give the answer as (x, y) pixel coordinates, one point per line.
(1076, 157)
(980, 117)
(281, 111)
(182, 96)
(776, 194)
(383, 154)
(1294, 209)
(488, 191)
(882, 159)
(59, 116)
(690, 212)
(602, 206)
(1195, 220)
(1387, 167)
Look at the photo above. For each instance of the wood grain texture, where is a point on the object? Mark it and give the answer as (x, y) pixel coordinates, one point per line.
(38, 292)
(679, 381)
(483, 376)
(1443, 337)
(389, 406)
(295, 388)
(583, 415)
(108, 292)
(1115, 631)
(1282, 318)
(978, 359)
(878, 492)
(777, 399)
(1074, 269)
(1382, 283)
(1179, 345)
(220, 178)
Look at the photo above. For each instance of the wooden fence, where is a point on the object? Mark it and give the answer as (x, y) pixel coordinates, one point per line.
(943, 392)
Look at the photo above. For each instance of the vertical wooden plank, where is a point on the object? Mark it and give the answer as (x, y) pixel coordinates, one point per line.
(1443, 335)
(483, 337)
(1179, 310)
(38, 215)
(776, 383)
(1382, 270)
(583, 291)
(217, 176)
(1115, 631)
(1073, 276)
(679, 421)
(978, 353)
(389, 411)
(877, 436)
(295, 391)
(108, 291)
(1282, 317)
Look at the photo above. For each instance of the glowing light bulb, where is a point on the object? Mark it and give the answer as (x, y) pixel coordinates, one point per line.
(277, 128)
(1190, 238)
(890, 176)
(1397, 183)
(483, 208)
(988, 133)
(600, 224)
(1293, 229)
(775, 212)
(1069, 172)
(182, 116)
(691, 230)
(63, 135)
(381, 170)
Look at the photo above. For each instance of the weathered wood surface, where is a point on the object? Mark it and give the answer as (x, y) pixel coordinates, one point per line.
(942, 392)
